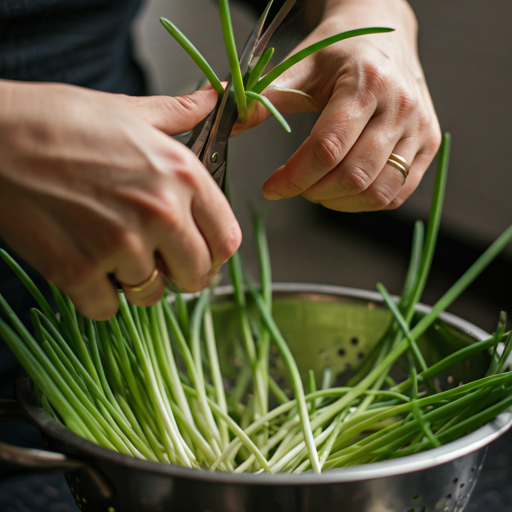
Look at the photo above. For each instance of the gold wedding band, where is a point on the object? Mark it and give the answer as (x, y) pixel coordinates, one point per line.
(142, 286)
(401, 164)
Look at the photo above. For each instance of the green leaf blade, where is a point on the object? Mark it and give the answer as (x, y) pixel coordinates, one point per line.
(234, 65)
(271, 108)
(187, 45)
(259, 68)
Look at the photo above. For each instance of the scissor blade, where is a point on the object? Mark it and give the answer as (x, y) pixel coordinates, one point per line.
(276, 23)
(200, 133)
(250, 45)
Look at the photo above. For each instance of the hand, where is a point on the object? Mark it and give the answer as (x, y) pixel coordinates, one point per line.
(91, 184)
(375, 102)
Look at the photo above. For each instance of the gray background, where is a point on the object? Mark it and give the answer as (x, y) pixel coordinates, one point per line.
(465, 47)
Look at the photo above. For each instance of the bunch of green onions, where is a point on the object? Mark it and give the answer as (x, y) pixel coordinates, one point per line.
(249, 86)
(148, 382)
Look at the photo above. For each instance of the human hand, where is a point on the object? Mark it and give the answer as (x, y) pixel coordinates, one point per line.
(91, 185)
(375, 102)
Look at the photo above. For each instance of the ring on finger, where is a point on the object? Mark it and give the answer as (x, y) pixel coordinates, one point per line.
(144, 285)
(400, 163)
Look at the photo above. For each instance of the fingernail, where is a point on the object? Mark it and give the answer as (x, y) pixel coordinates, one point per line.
(271, 196)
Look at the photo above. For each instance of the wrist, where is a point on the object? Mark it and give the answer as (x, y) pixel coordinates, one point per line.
(396, 14)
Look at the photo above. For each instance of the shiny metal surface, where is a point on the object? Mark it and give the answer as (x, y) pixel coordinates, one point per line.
(276, 23)
(439, 479)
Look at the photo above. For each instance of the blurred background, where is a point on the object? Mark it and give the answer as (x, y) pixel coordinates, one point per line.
(465, 50)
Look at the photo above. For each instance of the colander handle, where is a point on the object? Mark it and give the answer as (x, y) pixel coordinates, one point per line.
(43, 460)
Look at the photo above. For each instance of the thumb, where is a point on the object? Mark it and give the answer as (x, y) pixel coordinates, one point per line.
(173, 115)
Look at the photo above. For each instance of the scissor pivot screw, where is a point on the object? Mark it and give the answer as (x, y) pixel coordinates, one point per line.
(214, 157)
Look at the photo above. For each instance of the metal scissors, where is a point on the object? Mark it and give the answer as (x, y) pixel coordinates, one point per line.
(209, 139)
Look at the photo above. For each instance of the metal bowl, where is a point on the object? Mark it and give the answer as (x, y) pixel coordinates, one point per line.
(325, 326)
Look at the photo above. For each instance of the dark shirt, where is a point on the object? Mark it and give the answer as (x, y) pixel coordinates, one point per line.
(81, 42)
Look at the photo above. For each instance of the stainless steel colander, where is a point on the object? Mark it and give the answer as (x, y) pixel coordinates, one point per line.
(326, 326)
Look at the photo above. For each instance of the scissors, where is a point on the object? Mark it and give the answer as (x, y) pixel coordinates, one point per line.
(209, 139)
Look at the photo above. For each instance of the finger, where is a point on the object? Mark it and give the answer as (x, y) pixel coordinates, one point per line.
(94, 297)
(419, 166)
(173, 115)
(217, 224)
(336, 131)
(386, 186)
(185, 255)
(363, 163)
(139, 277)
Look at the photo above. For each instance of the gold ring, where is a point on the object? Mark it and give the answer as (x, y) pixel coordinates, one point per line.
(401, 164)
(142, 286)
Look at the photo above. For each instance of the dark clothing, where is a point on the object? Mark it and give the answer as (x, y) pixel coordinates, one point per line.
(80, 42)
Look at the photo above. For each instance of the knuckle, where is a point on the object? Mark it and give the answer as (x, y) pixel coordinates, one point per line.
(181, 105)
(187, 174)
(186, 102)
(172, 220)
(291, 185)
(229, 245)
(328, 150)
(128, 242)
(356, 181)
(166, 214)
(405, 102)
(423, 121)
(379, 198)
(72, 273)
(395, 203)
(434, 141)
(377, 77)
